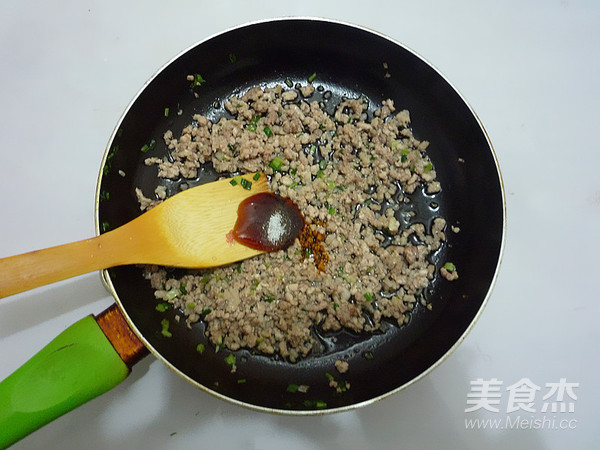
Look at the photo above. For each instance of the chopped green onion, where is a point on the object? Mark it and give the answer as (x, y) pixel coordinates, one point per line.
(145, 148)
(190, 305)
(241, 381)
(331, 210)
(268, 131)
(182, 289)
(449, 267)
(171, 294)
(331, 185)
(166, 112)
(369, 355)
(368, 297)
(292, 388)
(200, 348)
(320, 404)
(276, 163)
(322, 164)
(233, 182)
(312, 149)
(312, 77)
(198, 80)
(252, 127)
(231, 147)
(289, 82)
(256, 176)
(246, 184)
(293, 185)
(162, 307)
(320, 174)
(329, 376)
(230, 360)
(239, 268)
(206, 311)
(428, 168)
(232, 58)
(205, 279)
(403, 158)
(165, 328)
(269, 299)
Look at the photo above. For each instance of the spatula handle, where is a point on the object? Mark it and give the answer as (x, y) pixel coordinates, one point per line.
(30, 270)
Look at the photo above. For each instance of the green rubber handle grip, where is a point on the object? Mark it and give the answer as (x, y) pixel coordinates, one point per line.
(77, 366)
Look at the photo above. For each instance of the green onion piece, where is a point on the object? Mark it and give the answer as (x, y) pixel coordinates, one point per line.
(166, 112)
(252, 127)
(368, 297)
(312, 77)
(276, 163)
(289, 82)
(232, 58)
(331, 185)
(171, 294)
(331, 210)
(230, 360)
(198, 80)
(269, 299)
(145, 148)
(200, 348)
(268, 131)
(403, 158)
(293, 185)
(206, 311)
(428, 168)
(231, 147)
(256, 176)
(320, 404)
(241, 381)
(233, 182)
(320, 174)
(152, 144)
(182, 289)
(165, 328)
(312, 149)
(292, 388)
(369, 355)
(246, 184)
(449, 267)
(293, 171)
(190, 305)
(239, 268)
(205, 279)
(322, 164)
(329, 376)
(162, 307)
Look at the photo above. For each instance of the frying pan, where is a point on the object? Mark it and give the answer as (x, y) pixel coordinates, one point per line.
(342, 61)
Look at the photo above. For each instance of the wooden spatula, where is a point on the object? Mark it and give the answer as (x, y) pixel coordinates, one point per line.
(189, 229)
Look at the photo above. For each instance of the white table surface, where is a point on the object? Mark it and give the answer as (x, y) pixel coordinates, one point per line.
(530, 70)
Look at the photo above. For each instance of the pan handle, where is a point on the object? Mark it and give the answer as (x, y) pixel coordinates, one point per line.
(78, 365)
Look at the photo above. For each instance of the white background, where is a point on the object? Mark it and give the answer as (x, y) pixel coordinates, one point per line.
(530, 70)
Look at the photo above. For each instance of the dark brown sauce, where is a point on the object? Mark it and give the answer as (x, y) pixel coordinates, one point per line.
(267, 222)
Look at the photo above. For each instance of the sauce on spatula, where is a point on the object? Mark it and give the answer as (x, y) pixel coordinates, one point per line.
(267, 222)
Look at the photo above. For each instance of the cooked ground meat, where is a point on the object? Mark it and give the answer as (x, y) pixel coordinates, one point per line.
(349, 176)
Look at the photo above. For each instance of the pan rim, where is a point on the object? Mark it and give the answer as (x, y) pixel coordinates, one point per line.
(106, 279)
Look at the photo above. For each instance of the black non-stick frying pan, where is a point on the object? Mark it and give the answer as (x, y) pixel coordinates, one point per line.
(347, 61)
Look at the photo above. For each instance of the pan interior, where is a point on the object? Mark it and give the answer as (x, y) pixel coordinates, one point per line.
(348, 62)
